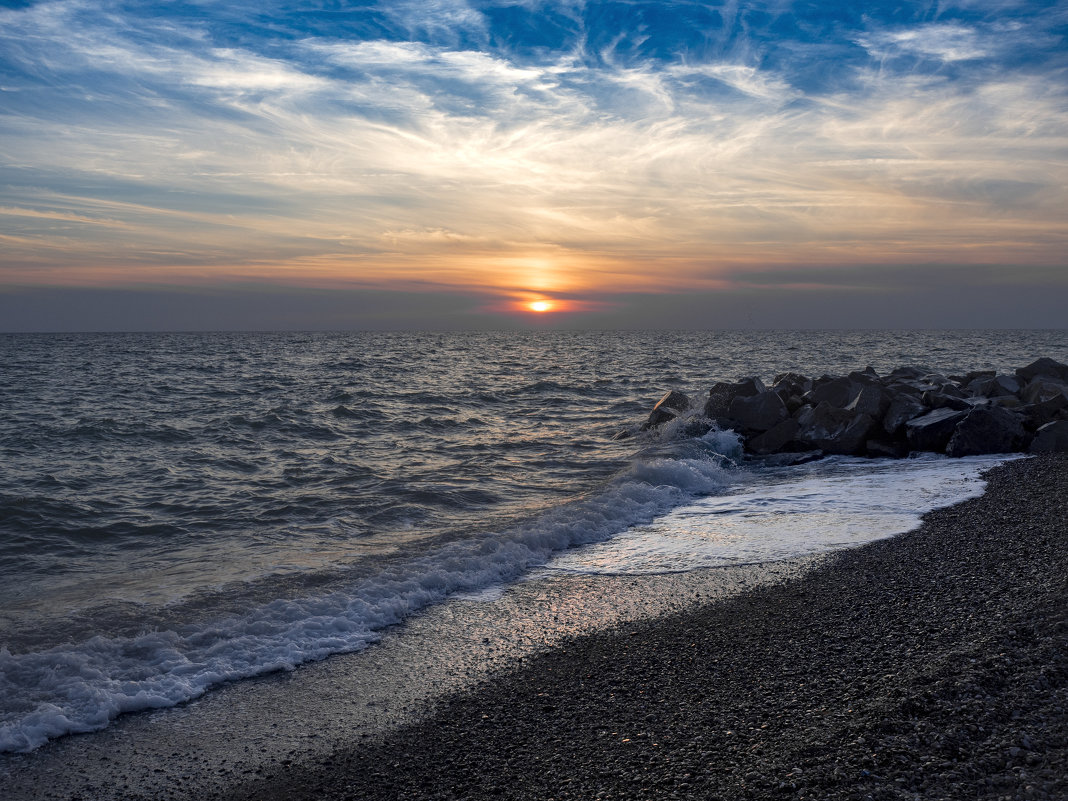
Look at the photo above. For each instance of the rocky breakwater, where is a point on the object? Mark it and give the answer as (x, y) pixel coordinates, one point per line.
(910, 409)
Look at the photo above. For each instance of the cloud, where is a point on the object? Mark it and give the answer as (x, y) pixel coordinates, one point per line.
(946, 42)
(446, 20)
(478, 155)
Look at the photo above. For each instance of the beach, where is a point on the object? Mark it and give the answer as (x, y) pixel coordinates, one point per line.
(928, 665)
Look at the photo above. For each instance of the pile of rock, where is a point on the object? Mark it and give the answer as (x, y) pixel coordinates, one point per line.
(911, 409)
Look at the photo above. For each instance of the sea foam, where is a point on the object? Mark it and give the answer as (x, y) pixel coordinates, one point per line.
(809, 509)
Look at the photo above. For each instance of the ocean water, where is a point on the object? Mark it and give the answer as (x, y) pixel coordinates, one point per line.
(181, 510)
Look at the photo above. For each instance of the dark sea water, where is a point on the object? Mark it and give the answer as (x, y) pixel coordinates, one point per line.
(179, 510)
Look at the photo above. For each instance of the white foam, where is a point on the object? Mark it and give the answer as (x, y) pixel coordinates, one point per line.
(80, 687)
(824, 506)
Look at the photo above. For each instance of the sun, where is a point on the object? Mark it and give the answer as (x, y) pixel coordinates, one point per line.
(540, 306)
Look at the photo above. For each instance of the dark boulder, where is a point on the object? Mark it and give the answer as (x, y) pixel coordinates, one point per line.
(851, 440)
(747, 387)
(667, 409)
(1008, 401)
(903, 407)
(987, 430)
(793, 383)
(837, 392)
(1043, 366)
(758, 412)
(834, 430)
(724, 392)
(775, 439)
(1036, 415)
(1042, 388)
(918, 387)
(993, 386)
(871, 399)
(1051, 438)
(974, 374)
(865, 376)
(793, 403)
(947, 387)
(936, 399)
(931, 431)
(904, 388)
(1004, 385)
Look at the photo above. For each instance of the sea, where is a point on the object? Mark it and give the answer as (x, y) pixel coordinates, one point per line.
(184, 510)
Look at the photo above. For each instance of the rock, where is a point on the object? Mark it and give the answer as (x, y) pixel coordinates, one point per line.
(1036, 415)
(918, 386)
(896, 388)
(1008, 401)
(750, 386)
(913, 407)
(1004, 385)
(948, 387)
(1051, 438)
(667, 409)
(838, 392)
(933, 399)
(987, 430)
(775, 438)
(851, 441)
(724, 392)
(931, 431)
(793, 403)
(794, 383)
(903, 407)
(871, 400)
(758, 412)
(1043, 366)
(865, 376)
(834, 430)
(1042, 388)
(993, 386)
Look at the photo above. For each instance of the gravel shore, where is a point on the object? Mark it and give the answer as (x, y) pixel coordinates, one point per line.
(931, 665)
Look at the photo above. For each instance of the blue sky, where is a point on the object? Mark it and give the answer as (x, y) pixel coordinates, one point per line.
(290, 165)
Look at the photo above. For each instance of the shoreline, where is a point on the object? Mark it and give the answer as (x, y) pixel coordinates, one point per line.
(929, 665)
(251, 727)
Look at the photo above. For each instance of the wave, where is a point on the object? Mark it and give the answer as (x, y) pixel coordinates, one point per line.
(82, 687)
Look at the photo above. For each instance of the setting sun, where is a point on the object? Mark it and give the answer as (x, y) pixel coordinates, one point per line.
(540, 306)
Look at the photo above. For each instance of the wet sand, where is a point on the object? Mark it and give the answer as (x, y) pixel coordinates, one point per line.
(930, 665)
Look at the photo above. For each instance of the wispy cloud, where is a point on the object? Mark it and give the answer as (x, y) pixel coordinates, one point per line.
(946, 42)
(453, 147)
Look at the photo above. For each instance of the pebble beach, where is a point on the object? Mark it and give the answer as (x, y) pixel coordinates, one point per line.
(929, 665)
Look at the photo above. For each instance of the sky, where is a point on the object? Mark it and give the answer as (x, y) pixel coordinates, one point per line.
(452, 164)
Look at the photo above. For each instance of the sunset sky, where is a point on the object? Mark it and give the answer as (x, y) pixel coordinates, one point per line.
(446, 164)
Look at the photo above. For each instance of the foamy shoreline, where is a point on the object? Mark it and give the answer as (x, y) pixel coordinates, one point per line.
(981, 569)
(928, 665)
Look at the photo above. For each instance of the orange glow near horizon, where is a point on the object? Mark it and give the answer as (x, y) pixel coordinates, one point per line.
(531, 304)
